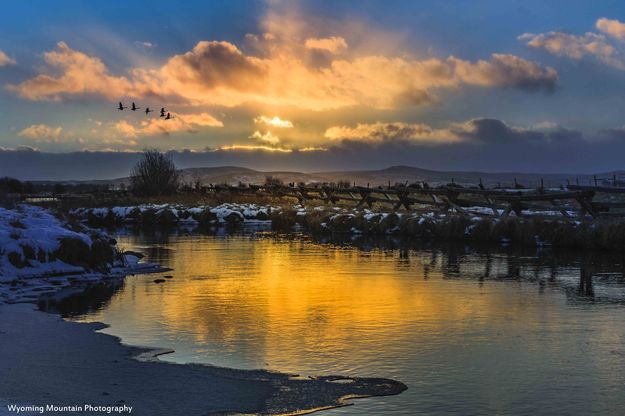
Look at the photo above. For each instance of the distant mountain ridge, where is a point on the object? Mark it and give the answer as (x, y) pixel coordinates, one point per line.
(233, 175)
(394, 174)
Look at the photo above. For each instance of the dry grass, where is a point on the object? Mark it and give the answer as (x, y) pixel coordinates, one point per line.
(608, 235)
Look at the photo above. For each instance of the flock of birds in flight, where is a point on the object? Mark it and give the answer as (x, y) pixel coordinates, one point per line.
(164, 114)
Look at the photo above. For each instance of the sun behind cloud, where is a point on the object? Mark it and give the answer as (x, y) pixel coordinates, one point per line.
(220, 73)
(273, 122)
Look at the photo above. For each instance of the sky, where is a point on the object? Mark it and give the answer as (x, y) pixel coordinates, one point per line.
(528, 86)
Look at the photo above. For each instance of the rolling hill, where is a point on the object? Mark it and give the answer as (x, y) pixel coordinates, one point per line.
(395, 174)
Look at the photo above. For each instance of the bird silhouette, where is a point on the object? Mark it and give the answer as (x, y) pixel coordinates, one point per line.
(168, 117)
(162, 112)
(121, 107)
(148, 111)
(134, 107)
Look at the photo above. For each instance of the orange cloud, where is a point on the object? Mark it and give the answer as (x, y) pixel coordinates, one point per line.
(127, 140)
(379, 132)
(590, 44)
(41, 132)
(179, 123)
(80, 74)
(611, 27)
(375, 81)
(5, 60)
(267, 137)
(219, 73)
(273, 122)
(126, 129)
(334, 44)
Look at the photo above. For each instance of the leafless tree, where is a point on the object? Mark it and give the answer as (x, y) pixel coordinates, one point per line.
(154, 174)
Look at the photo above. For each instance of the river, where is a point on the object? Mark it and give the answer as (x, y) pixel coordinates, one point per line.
(469, 330)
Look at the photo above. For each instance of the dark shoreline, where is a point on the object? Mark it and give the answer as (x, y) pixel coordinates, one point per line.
(67, 363)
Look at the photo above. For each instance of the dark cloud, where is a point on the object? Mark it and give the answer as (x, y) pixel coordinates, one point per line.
(414, 96)
(213, 64)
(613, 134)
(561, 134)
(490, 130)
(508, 70)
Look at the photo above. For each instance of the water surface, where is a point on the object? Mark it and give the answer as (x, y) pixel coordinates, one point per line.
(469, 331)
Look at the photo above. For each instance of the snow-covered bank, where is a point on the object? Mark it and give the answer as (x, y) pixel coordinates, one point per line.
(536, 228)
(171, 214)
(46, 360)
(232, 213)
(42, 254)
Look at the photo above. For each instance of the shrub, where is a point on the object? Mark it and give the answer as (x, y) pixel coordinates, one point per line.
(29, 252)
(482, 231)
(16, 259)
(148, 216)
(342, 223)
(73, 251)
(134, 215)
(262, 216)
(165, 216)
(205, 217)
(283, 220)
(155, 174)
(17, 224)
(234, 218)
(10, 185)
(388, 223)
(102, 254)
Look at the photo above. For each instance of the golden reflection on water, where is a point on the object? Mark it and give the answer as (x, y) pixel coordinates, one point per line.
(318, 297)
(309, 308)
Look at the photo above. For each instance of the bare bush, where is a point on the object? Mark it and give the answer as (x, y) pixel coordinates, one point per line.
(155, 174)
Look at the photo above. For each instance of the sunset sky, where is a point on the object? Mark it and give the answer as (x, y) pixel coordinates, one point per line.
(313, 85)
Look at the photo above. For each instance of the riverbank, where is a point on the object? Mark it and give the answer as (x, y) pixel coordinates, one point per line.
(42, 254)
(474, 225)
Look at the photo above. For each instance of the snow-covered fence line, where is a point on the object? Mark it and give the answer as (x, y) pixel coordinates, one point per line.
(451, 197)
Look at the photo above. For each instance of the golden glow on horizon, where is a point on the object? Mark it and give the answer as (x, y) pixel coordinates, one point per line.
(252, 147)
